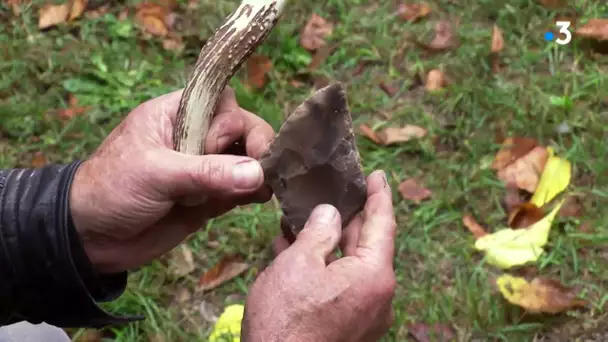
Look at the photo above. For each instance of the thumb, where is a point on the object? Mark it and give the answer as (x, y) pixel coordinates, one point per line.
(183, 175)
(321, 233)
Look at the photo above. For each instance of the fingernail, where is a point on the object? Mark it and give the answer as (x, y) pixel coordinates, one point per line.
(247, 175)
(323, 214)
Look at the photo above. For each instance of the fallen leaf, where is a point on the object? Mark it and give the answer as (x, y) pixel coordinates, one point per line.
(511, 150)
(360, 68)
(413, 191)
(498, 42)
(525, 215)
(473, 226)
(103, 10)
(595, 29)
(73, 109)
(228, 325)
(225, 270)
(320, 56)
(315, 32)
(444, 37)
(156, 338)
(413, 12)
(181, 261)
(38, 160)
(183, 295)
(388, 89)
(554, 179)
(435, 80)
(257, 68)
(422, 332)
(51, 15)
(173, 44)
(525, 171)
(514, 247)
(154, 18)
(90, 335)
(512, 198)
(369, 133)
(15, 6)
(572, 207)
(77, 9)
(541, 295)
(395, 135)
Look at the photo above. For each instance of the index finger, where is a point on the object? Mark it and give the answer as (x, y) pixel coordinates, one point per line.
(377, 237)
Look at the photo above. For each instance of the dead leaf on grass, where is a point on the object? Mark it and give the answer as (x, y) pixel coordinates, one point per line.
(320, 56)
(74, 109)
(396, 135)
(181, 261)
(257, 68)
(388, 89)
(51, 15)
(227, 269)
(525, 171)
(315, 32)
(154, 18)
(473, 226)
(572, 207)
(411, 190)
(422, 332)
(15, 5)
(38, 160)
(444, 39)
(435, 80)
(595, 29)
(541, 295)
(369, 133)
(511, 150)
(512, 198)
(413, 12)
(525, 215)
(77, 9)
(498, 42)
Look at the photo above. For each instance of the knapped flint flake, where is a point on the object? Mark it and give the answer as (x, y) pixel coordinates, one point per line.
(314, 160)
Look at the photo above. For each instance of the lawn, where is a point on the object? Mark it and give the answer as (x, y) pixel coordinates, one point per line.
(556, 94)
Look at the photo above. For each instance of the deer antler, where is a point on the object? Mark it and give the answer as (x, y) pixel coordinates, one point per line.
(219, 59)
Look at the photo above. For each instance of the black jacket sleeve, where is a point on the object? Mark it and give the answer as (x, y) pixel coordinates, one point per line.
(45, 274)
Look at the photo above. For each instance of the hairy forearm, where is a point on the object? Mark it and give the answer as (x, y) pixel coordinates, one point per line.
(45, 273)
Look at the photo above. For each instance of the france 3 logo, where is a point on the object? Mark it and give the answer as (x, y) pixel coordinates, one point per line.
(564, 30)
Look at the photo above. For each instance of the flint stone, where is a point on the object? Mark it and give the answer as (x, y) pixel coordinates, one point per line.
(314, 160)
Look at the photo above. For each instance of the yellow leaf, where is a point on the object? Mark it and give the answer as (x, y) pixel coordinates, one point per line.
(513, 247)
(540, 295)
(228, 326)
(554, 179)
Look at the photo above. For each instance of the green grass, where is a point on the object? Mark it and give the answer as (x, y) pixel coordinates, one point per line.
(109, 65)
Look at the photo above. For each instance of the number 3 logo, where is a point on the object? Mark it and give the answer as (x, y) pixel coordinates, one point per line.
(563, 29)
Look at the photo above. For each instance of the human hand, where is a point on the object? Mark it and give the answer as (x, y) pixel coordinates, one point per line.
(125, 199)
(305, 296)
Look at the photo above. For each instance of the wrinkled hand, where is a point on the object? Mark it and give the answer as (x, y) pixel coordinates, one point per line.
(125, 199)
(308, 295)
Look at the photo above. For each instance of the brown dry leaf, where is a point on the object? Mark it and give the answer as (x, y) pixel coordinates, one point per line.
(411, 190)
(395, 135)
(444, 37)
(257, 68)
(525, 171)
(51, 15)
(369, 133)
(15, 5)
(90, 335)
(314, 33)
(228, 268)
(101, 11)
(77, 9)
(572, 207)
(360, 68)
(181, 261)
(38, 160)
(320, 56)
(511, 150)
(473, 226)
(413, 12)
(154, 18)
(422, 332)
(512, 198)
(498, 42)
(525, 215)
(73, 109)
(595, 29)
(541, 295)
(388, 89)
(435, 80)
